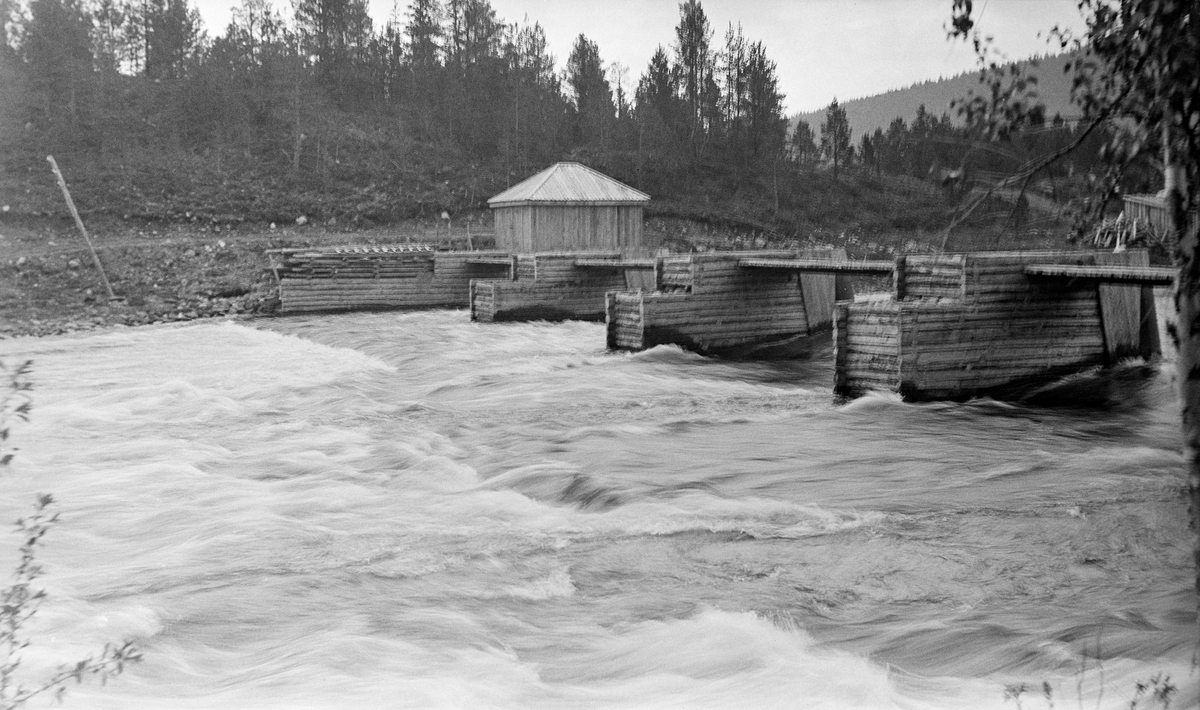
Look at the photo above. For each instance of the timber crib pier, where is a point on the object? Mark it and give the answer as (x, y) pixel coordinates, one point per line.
(961, 325)
(720, 302)
(559, 286)
(377, 277)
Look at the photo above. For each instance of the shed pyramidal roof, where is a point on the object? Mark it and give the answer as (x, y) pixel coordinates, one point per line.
(569, 183)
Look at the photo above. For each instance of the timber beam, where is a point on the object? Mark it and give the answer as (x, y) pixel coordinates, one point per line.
(822, 266)
(648, 264)
(494, 260)
(1144, 275)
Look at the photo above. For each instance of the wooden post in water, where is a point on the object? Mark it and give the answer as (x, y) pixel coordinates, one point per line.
(841, 313)
(899, 284)
(610, 318)
(79, 223)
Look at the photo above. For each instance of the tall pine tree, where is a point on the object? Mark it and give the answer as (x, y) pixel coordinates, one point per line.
(594, 108)
(835, 136)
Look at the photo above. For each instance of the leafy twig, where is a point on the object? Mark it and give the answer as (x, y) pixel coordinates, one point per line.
(15, 403)
(19, 601)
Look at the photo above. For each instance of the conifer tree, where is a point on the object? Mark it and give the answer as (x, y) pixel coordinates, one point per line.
(835, 136)
(333, 32)
(171, 34)
(594, 108)
(423, 27)
(58, 57)
(695, 66)
(767, 128)
(803, 146)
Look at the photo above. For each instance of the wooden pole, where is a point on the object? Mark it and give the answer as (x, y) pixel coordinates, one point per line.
(900, 285)
(79, 223)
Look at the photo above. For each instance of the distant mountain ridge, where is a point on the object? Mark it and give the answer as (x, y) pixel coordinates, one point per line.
(867, 114)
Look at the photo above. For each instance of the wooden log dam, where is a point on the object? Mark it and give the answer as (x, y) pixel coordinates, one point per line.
(378, 277)
(963, 325)
(720, 302)
(559, 286)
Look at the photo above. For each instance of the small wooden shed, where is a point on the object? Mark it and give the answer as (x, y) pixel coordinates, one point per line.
(569, 207)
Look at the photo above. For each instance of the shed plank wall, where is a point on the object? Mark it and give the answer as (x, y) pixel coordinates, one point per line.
(536, 228)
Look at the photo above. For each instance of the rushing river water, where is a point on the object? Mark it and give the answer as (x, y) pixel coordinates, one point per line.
(412, 510)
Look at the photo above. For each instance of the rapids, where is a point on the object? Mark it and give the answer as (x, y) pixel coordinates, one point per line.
(412, 510)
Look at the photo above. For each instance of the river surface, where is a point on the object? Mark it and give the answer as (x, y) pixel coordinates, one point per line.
(412, 510)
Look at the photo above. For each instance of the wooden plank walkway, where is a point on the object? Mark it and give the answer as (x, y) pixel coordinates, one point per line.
(493, 260)
(1145, 275)
(354, 249)
(826, 266)
(615, 263)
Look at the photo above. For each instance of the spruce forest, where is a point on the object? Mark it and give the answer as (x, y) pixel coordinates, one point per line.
(332, 116)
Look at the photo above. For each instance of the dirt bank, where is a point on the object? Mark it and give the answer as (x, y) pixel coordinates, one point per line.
(50, 285)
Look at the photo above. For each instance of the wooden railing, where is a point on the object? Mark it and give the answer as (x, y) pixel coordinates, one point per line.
(1150, 209)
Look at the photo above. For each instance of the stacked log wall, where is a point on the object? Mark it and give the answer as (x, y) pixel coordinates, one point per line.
(718, 272)
(481, 295)
(330, 281)
(526, 267)
(677, 273)
(707, 322)
(623, 314)
(995, 329)
(494, 301)
(549, 287)
(934, 276)
(866, 346)
(950, 349)
(710, 303)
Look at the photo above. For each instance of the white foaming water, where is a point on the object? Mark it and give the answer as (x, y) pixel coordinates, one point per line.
(411, 510)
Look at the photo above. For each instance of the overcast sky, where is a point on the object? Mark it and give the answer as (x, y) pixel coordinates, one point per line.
(824, 48)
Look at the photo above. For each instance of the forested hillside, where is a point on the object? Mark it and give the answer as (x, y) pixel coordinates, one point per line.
(871, 112)
(326, 113)
(326, 116)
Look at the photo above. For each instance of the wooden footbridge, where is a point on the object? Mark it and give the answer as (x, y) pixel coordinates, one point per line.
(1143, 275)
